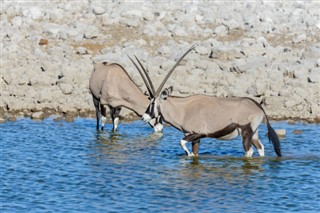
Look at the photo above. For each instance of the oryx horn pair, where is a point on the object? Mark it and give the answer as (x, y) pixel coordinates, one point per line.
(147, 79)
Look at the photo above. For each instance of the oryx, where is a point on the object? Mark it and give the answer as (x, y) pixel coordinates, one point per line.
(200, 116)
(110, 85)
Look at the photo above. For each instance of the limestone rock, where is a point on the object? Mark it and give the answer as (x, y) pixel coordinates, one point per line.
(66, 88)
(37, 115)
(281, 132)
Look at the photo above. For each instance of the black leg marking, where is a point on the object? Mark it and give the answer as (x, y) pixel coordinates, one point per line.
(194, 136)
(103, 113)
(247, 133)
(114, 113)
(96, 103)
(256, 143)
(195, 147)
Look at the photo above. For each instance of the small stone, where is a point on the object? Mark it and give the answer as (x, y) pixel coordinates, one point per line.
(2, 120)
(98, 10)
(281, 132)
(37, 116)
(81, 51)
(12, 118)
(60, 118)
(66, 88)
(43, 41)
(69, 118)
(291, 122)
(296, 132)
(221, 30)
(300, 38)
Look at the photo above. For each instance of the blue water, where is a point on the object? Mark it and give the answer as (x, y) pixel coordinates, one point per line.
(49, 166)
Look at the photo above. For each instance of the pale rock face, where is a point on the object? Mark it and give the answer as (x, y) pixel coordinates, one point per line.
(267, 51)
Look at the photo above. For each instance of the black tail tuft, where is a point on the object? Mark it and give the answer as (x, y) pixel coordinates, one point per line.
(272, 135)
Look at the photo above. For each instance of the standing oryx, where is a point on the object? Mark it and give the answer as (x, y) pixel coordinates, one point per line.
(200, 116)
(111, 86)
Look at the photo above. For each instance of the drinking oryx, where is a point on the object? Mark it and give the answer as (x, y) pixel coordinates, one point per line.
(110, 85)
(200, 116)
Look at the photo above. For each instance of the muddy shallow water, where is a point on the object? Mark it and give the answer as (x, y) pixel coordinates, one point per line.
(49, 166)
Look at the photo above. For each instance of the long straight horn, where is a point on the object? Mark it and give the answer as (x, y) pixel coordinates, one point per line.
(151, 93)
(170, 72)
(148, 77)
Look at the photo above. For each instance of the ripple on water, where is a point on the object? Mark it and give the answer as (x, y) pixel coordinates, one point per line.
(68, 167)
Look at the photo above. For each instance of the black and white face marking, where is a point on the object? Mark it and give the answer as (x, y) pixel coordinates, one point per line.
(151, 112)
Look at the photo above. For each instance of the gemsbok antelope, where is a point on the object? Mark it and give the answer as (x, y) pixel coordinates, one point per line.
(111, 86)
(201, 116)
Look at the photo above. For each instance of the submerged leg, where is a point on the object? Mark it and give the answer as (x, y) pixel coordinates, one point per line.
(195, 147)
(184, 147)
(116, 119)
(115, 114)
(104, 116)
(96, 103)
(257, 144)
(247, 133)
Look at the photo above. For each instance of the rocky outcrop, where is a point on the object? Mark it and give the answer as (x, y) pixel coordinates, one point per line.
(265, 50)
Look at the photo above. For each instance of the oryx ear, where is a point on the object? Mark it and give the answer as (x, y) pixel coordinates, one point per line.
(165, 93)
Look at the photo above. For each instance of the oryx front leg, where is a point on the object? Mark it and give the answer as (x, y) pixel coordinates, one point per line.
(184, 147)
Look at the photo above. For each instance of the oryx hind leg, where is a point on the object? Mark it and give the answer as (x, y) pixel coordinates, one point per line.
(257, 144)
(115, 116)
(247, 133)
(96, 103)
(255, 138)
(103, 116)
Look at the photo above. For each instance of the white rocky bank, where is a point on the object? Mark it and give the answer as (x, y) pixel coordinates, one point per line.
(266, 50)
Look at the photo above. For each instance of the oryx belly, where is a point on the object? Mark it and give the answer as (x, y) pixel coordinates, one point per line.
(232, 135)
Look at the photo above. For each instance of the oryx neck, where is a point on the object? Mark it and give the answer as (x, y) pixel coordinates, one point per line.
(171, 112)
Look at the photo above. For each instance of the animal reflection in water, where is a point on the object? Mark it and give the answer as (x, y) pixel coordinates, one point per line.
(119, 146)
(202, 116)
(228, 168)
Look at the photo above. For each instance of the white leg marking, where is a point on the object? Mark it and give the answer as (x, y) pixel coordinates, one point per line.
(158, 127)
(103, 121)
(115, 123)
(184, 147)
(261, 151)
(146, 117)
(249, 153)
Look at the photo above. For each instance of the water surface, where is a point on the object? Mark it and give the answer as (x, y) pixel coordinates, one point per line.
(49, 166)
